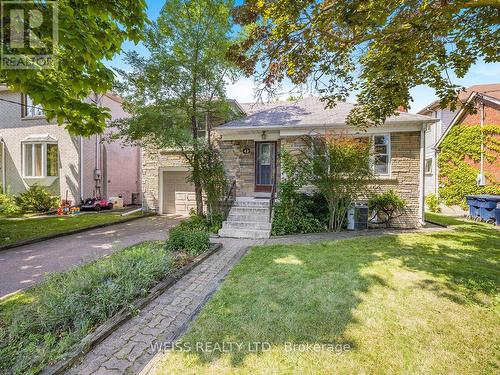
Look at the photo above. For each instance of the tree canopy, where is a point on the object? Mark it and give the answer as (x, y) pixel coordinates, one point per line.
(88, 33)
(173, 93)
(380, 48)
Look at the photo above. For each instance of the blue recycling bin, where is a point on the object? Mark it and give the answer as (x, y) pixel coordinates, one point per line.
(487, 201)
(487, 214)
(474, 211)
(487, 206)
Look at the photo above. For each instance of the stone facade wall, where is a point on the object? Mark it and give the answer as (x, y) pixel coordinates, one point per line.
(153, 160)
(405, 175)
(404, 178)
(240, 166)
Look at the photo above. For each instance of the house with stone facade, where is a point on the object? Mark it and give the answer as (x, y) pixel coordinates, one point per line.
(250, 149)
(34, 151)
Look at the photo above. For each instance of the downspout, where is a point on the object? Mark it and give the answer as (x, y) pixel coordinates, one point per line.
(4, 165)
(81, 169)
(421, 177)
(482, 141)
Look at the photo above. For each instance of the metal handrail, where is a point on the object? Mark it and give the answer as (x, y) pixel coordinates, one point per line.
(271, 201)
(230, 199)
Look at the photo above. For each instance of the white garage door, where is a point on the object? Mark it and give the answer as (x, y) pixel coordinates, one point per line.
(178, 195)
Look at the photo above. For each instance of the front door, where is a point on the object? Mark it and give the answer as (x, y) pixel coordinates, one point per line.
(265, 166)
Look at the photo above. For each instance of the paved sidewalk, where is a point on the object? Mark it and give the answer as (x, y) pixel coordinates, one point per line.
(26, 265)
(128, 349)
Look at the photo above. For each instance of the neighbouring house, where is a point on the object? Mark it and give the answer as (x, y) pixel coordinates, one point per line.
(468, 152)
(435, 131)
(34, 151)
(250, 150)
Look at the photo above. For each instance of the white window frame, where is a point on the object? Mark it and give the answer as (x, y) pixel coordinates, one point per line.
(388, 154)
(33, 163)
(429, 172)
(29, 110)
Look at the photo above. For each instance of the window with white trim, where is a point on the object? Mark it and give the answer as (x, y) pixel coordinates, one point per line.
(382, 154)
(29, 109)
(40, 159)
(428, 166)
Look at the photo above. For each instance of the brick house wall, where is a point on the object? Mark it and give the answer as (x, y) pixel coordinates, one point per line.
(491, 117)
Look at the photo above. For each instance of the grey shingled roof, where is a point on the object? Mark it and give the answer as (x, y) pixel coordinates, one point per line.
(303, 113)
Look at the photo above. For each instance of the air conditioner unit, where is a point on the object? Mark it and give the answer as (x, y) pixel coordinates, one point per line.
(357, 216)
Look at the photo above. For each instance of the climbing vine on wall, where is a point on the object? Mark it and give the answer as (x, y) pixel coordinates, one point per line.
(460, 149)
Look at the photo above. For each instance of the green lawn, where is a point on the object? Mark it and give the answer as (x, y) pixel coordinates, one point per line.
(412, 303)
(12, 231)
(444, 219)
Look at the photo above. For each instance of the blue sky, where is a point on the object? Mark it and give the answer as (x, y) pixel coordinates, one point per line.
(242, 90)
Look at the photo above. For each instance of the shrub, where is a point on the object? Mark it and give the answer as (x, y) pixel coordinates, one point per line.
(386, 206)
(190, 235)
(194, 223)
(37, 199)
(300, 213)
(8, 205)
(58, 313)
(175, 241)
(196, 243)
(432, 203)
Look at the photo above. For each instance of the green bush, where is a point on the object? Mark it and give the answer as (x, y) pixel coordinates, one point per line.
(300, 213)
(37, 199)
(386, 206)
(175, 241)
(190, 235)
(194, 223)
(196, 243)
(296, 212)
(58, 313)
(432, 203)
(8, 205)
(216, 224)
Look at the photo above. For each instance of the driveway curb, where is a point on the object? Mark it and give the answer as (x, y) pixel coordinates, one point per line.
(76, 231)
(105, 329)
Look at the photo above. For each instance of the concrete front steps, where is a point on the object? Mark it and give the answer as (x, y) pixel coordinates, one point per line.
(248, 218)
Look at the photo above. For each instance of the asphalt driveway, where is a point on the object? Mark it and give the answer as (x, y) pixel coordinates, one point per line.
(23, 266)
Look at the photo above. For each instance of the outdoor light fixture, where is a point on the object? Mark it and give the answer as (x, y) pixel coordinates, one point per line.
(264, 135)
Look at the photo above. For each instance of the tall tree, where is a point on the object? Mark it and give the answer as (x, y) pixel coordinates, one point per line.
(180, 86)
(338, 166)
(88, 33)
(381, 48)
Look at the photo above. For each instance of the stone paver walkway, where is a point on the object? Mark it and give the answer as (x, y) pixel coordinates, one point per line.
(129, 349)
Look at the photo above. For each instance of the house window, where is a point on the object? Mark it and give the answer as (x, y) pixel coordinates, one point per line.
(381, 154)
(40, 159)
(428, 166)
(29, 109)
(201, 127)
